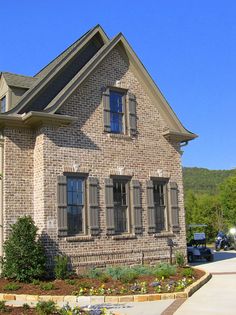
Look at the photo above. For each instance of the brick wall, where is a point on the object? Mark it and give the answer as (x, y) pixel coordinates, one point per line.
(85, 143)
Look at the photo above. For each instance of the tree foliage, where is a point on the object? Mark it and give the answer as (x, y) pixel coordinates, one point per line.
(211, 200)
(24, 255)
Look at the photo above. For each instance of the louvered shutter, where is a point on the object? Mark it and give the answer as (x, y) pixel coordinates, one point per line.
(174, 205)
(132, 115)
(136, 206)
(93, 207)
(106, 110)
(110, 219)
(150, 207)
(62, 205)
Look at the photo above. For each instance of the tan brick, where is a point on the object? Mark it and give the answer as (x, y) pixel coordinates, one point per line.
(127, 298)
(9, 297)
(140, 298)
(111, 299)
(154, 297)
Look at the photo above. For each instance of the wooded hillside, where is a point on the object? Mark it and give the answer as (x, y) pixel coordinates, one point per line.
(204, 181)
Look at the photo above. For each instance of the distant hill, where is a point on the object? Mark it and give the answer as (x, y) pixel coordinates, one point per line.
(202, 180)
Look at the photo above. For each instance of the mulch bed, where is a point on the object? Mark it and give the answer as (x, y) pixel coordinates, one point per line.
(64, 288)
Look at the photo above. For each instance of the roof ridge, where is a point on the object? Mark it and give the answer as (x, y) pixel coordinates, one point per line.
(43, 78)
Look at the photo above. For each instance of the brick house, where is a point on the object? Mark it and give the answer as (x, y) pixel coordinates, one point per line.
(91, 150)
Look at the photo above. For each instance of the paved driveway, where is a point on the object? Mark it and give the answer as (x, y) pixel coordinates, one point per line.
(218, 296)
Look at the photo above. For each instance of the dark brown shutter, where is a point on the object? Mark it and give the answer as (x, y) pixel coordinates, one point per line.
(109, 206)
(150, 208)
(106, 110)
(62, 205)
(93, 207)
(174, 205)
(136, 206)
(132, 115)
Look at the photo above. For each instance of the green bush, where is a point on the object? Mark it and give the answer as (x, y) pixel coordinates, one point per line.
(47, 286)
(143, 270)
(46, 308)
(94, 273)
(24, 255)
(129, 276)
(12, 286)
(164, 270)
(61, 267)
(179, 259)
(115, 272)
(187, 272)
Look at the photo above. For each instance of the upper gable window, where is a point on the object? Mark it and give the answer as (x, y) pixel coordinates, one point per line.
(119, 111)
(3, 103)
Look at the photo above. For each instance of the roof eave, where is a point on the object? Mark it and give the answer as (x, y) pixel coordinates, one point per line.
(35, 119)
(179, 136)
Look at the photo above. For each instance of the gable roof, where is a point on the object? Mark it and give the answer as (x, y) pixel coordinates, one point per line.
(45, 76)
(52, 69)
(18, 80)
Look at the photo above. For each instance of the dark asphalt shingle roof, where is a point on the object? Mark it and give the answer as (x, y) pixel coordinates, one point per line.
(17, 80)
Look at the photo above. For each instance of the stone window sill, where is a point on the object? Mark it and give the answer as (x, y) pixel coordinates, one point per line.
(120, 136)
(163, 234)
(79, 238)
(124, 237)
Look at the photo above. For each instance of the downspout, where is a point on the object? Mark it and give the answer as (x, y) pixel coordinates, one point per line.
(1, 196)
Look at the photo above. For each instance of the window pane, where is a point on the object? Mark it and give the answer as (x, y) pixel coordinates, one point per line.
(75, 204)
(160, 205)
(75, 219)
(121, 219)
(116, 122)
(116, 102)
(3, 104)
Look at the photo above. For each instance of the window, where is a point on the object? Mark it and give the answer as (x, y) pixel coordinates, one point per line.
(119, 111)
(160, 205)
(75, 205)
(117, 108)
(121, 202)
(3, 104)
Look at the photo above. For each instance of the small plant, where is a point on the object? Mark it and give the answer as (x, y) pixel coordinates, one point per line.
(187, 272)
(45, 308)
(47, 286)
(71, 281)
(3, 307)
(95, 273)
(164, 270)
(12, 286)
(104, 277)
(61, 267)
(26, 306)
(85, 284)
(36, 282)
(179, 259)
(128, 276)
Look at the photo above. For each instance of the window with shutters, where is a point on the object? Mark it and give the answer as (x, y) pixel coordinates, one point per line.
(160, 204)
(121, 205)
(75, 205)
(119, 111)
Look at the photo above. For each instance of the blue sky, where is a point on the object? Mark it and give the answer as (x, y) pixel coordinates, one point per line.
(188, 47)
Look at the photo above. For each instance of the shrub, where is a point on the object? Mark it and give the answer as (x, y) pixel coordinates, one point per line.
(179, 259)
(187, 272)
(45, 308)
(47, 286)
(12, 286)
(36, 282)
(3, 307)
(128, 276)
(115, 272)
(24, 255)
(143, 270)
(164, 270)
(61, 267)
(71, 281)
(84, 285)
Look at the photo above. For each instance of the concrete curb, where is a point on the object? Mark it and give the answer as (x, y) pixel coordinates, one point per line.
(88, 300)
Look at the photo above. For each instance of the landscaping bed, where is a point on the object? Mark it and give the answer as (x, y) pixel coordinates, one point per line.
(118, 281)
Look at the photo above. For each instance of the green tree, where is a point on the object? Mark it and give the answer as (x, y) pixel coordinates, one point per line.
(24, 255)
(228, 200)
